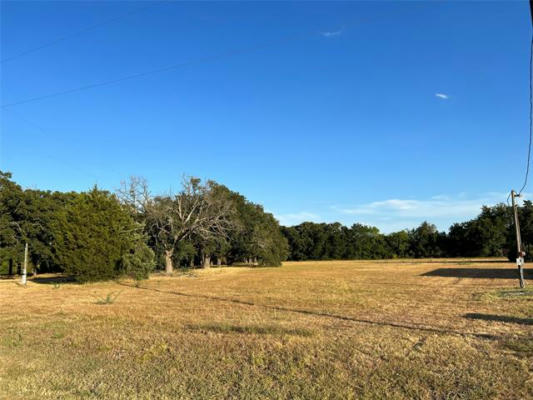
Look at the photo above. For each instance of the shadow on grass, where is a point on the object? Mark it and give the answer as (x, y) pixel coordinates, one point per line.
(482, 273)
(522, 346)
(500, 318)
(418, 327)
(450, 261)
(250, 329)
(53, 280)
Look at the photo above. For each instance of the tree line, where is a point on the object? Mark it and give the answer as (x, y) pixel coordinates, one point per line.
(490, 234)
(98, 235)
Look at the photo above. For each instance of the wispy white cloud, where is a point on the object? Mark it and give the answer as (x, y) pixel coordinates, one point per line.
(331, 33)
(297, 218)
(443, 210)
(443, 96)
(437, 206)
(440, 197)
(391, 215)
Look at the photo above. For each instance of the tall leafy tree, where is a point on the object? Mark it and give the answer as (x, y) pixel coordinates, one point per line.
(11, 199)
(398, 244)
(484, 236)
(95, 234)
(426, 241)
(256, 236)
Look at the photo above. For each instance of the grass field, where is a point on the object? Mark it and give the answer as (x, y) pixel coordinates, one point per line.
(312, 330)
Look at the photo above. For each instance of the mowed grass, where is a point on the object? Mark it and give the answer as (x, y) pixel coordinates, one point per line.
(448, 329)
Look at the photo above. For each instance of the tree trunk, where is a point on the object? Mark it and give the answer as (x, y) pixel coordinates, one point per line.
(191, 262)
(19, 269)
(10, 266)
(207, 261)
(219, 261)
(25, 269)
(169, 268)
(35, 269)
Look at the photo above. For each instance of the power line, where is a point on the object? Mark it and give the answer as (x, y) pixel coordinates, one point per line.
(520, 253)
(76, 33)
(530, 116)
(530, 103)
(48, 156)
(201, 60)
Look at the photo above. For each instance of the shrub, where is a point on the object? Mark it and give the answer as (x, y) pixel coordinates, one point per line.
(94, 234)
(138, 262)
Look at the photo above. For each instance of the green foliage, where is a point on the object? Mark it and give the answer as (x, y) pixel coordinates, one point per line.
(185, 253)
(138, 262)
(256, 234)
(95, 234)
(200, 213)
(525, 215)
(484, 236)
(426, 241)
(398, 244)
(41, 212)
(310, 241)
(29, 216)
(11, 234)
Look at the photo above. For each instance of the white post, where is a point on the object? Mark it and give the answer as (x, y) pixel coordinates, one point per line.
(25, 267)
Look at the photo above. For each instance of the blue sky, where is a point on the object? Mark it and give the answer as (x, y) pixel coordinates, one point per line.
(384, 113)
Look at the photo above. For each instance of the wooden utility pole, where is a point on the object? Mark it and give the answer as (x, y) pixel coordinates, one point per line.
(520, 250)
(25, 267)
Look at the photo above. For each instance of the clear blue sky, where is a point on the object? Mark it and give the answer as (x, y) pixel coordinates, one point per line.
(374, 112)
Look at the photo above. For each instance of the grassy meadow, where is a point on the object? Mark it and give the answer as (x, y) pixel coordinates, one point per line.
(423, 329)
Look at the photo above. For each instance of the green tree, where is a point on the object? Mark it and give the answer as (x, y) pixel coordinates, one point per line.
(366, 242)
(139, 261)
(484, 236)
(11, 198)
(398, 243)
(426, 241)
(95, 237)
(256, 237)
(525, 216)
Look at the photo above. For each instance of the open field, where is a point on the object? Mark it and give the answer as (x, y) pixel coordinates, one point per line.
(340, 329)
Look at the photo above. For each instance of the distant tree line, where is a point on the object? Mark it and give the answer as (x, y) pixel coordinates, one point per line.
(490, 234)
(98, 235)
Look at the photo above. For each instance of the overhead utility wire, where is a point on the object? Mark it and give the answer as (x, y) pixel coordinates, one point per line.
(49, 156)
(530, 116)
(530, 103)
(201, 60)
(77, 33)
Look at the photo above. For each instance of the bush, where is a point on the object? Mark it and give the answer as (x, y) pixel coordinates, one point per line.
(94, 234)
(139, 262)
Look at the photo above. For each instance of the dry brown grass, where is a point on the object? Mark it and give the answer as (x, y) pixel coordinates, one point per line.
(339, 329)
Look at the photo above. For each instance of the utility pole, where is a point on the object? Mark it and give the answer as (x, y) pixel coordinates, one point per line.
(25, 268)
(520, 250)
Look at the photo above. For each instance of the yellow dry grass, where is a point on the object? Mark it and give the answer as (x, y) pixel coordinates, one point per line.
(427, 329)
